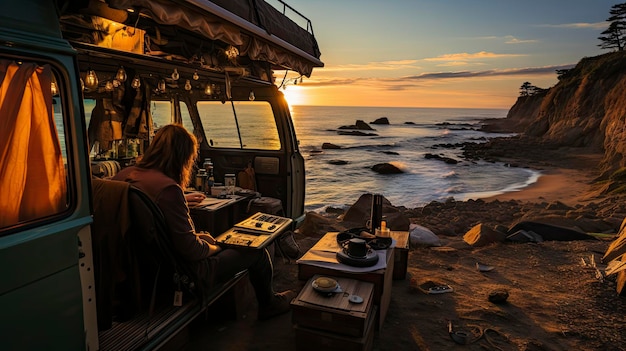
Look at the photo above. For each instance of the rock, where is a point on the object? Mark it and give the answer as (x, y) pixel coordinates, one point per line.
(360, 124)
(330, 146)
(447, 160)
(338, 162)
(381, 120)
(422, 236)
(498, 296)
(386, 168)
(481, 235)
(360, 212)
(618, 247)
(356, 133)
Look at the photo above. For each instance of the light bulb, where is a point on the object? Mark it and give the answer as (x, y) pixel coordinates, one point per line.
(251, 97)
(54, 89)
(121, 74)
(208, 90)
(116, 83)
(108, 86)
(162, 85)
(187, 85)
(91, 79)
(175, 74)
(195, 75)
(136, 83)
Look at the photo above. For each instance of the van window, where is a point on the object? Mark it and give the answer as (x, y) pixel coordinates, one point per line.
(161, 113)
(33, 147)
(242, 125)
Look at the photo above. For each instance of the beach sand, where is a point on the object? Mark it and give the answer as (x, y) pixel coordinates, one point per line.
(556, 300)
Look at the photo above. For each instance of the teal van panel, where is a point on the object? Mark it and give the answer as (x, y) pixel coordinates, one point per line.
(38, 253)
(45, 315)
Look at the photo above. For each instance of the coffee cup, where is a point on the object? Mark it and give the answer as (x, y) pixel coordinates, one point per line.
(357, 248)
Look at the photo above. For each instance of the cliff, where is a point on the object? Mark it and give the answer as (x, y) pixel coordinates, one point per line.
(586, 108)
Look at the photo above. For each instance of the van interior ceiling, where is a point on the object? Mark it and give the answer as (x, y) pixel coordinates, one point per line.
(132, 52)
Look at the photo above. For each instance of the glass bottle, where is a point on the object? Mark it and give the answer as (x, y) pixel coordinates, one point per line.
(208, 167)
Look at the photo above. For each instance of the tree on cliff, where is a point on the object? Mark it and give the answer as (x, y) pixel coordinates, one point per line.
(614, 37)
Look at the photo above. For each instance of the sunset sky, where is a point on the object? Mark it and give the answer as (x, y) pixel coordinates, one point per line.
(452, 53)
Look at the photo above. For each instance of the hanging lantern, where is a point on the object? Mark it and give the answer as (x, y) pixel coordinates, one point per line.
(91, 79)
(136, 83)
(121, 74)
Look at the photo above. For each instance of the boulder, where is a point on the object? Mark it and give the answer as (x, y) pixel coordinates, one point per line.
(330, 146)
(422, 236)
(355, 133)
(361, 211)
(481, 235)
(381, 120)
(360, 124)
(338, 162)
(386, 168)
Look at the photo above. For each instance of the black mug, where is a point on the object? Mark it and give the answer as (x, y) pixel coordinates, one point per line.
(357, 248)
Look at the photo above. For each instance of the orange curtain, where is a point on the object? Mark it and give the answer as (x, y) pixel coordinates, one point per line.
(32, 174)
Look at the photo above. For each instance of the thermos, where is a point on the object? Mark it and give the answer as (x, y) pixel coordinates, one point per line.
(376, 213)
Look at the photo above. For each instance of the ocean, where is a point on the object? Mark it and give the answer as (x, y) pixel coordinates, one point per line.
(338, 177)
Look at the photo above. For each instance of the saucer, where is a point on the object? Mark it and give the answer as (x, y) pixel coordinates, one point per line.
(325, 285)
(370, 259)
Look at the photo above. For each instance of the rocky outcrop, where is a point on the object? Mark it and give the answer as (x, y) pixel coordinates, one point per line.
(586, 108)
(381, 120)
(360, 125)
(386, 168)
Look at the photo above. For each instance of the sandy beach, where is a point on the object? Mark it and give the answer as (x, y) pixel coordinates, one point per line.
(556, 299)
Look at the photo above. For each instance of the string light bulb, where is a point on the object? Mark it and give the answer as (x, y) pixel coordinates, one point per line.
(91, 79)
(187, 85)
(162, 85)
(136, 83)
(121, 74)
(54, 89)
(251, 97)
(208, 90)
(175, 75)
(108, 86)
(195, 75)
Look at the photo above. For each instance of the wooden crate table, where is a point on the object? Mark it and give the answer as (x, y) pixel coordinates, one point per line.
(331, 321)
(319, 261)
(401, 254)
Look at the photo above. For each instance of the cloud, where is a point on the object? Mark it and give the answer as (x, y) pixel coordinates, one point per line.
(509, 39)
(579, 25)
(400, 83)
(378, 66)
(489, 73)
(464, 56)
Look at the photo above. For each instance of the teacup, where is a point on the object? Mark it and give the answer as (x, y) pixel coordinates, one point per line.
(357, 248)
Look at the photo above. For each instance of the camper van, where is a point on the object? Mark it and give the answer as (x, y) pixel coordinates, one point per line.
(84, 86)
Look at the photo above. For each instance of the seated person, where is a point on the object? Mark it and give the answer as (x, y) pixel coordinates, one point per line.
(162, 173)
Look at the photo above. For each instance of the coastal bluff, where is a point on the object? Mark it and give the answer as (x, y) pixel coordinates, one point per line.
(585, 109)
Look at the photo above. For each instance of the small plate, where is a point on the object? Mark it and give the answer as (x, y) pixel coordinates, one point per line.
(325, 285)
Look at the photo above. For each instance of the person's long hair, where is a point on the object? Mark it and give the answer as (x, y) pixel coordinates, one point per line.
(173, 151)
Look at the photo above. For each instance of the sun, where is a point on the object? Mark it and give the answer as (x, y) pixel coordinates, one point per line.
(294, 95)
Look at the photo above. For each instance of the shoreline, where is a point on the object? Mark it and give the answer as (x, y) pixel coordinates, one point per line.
(569, 186)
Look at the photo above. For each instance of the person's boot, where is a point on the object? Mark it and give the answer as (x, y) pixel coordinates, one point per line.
(279, 304)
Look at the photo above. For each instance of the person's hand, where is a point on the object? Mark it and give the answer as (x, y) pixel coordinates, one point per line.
(194, 198)
(207, 237)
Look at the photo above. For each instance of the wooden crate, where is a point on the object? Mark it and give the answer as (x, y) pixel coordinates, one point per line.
(382, 279)
(401, 254)
(334, 312)
(315, 340)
